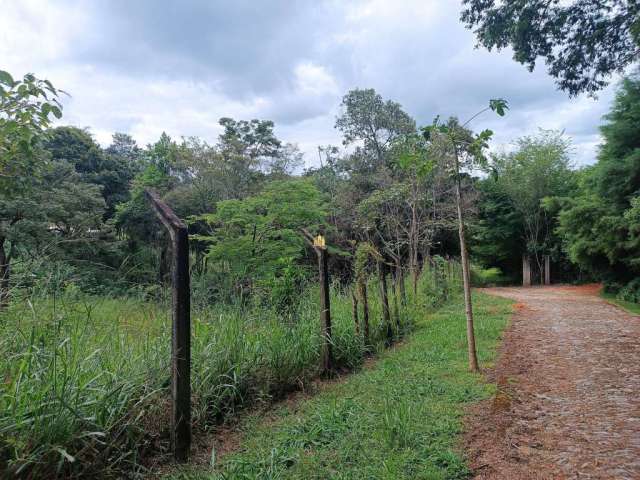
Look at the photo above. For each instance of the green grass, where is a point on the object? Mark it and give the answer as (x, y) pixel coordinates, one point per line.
(84, 380)
(399, 419)
(628, 306)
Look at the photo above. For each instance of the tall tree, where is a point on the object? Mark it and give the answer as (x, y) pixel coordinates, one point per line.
(366, 117)
(597, 231)
(582, 41)
(111, 173)
(538, 168)
(256, 242)
(455, 144)
(26, 108)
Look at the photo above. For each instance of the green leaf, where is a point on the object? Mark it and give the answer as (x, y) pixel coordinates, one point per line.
(499, 105)
(56, 112)
(6, 78)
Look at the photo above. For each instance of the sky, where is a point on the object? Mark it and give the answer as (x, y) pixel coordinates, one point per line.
(147, 66)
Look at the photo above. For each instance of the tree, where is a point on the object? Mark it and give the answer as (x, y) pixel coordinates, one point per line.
(254, 139)
(457, 146)
(112, 173)
(366, 117)
(59, 217)
(538, 168)
(582, 41)
(412, 157)
(384, 215)
(497, 239)
(26, 107)
(597, 227)
(256, 241)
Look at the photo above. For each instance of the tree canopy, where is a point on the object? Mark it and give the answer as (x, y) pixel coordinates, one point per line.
(583, 42)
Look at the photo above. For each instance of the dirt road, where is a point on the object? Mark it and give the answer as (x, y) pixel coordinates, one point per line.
(568, 401)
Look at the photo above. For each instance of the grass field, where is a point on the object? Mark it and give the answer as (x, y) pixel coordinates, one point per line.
(84, 380)
(401, 418)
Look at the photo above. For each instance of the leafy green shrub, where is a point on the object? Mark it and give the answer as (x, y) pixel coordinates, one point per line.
(630, 292)
(487, 277)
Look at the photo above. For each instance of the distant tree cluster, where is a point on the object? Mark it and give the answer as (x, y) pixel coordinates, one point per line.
(77, 217)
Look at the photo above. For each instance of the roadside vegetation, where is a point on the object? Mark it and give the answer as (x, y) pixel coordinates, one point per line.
(86, 378)
(632, 307)
(398, 418)
(411, 215)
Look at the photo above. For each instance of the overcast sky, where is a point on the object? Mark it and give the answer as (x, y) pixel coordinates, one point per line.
(147, 66)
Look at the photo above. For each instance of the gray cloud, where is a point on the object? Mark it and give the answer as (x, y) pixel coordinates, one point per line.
(146, 66)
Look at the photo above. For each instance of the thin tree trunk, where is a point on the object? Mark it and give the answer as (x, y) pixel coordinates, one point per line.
(396, 302)
(4, 275)
(354, 311)
(403, 290)
(386, 315)
(464, 255)
(413, 250)
(362, 287)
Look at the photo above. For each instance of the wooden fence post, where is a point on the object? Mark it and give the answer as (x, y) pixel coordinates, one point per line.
(384, 297)
(526, 271)
(547, 270)
(181, 329)
(354, 311)
(325, 306)
(362, 290)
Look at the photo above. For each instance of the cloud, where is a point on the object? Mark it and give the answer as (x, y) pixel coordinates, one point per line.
(157, 65)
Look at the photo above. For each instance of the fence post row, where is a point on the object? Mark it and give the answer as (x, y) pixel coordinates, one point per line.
(181, 328)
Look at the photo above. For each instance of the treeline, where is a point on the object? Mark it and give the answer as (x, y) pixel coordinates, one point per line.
(74, 215)
(533, 202)
(76, 218)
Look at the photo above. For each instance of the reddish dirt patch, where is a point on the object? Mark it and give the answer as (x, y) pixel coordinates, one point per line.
(567, 403)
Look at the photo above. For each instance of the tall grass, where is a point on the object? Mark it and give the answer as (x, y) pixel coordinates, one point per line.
(84, 380)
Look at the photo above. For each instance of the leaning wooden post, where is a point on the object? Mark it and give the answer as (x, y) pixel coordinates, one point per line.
(181, 329)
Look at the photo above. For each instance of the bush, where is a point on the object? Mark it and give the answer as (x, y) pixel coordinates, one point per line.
(630, 292)
(487, 277)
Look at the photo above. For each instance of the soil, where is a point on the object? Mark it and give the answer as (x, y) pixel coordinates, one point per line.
(567, 404)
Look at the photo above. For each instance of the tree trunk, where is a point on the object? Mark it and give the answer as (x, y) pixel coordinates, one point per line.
(386, 315)
(4, 275)
(362, 288)
(354, 311)
(413, 251)
(396, 302)
(464, 255)
(414, 282)
(403, 290)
